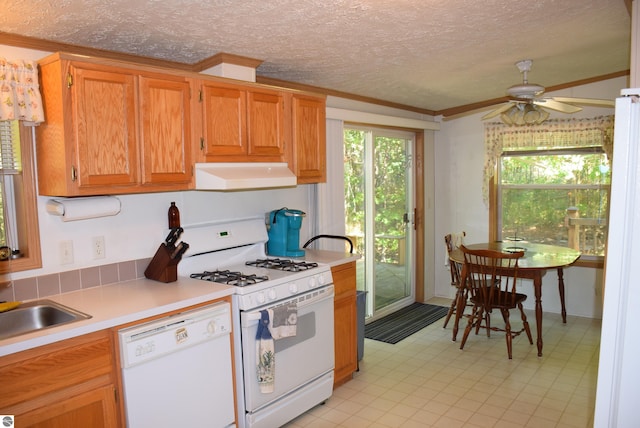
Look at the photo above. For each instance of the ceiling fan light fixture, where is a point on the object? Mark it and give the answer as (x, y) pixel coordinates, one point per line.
(544, 115)
(524, 114)
(514, 116)
(531, 114)
(506, 118)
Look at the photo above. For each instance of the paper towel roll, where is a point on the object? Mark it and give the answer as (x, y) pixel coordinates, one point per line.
(71, 209)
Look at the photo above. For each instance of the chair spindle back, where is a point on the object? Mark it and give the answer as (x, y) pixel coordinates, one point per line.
(491, 276)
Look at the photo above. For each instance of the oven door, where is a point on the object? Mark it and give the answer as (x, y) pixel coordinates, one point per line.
(299, 359)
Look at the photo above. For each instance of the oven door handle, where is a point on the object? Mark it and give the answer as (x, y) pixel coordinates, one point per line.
(255, 315)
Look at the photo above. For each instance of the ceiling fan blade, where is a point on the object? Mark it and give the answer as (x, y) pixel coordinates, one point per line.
(586, 101)
(556, 105)
(497, 111)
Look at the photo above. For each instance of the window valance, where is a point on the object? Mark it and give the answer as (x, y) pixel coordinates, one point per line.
(20, 97)
(555, 133)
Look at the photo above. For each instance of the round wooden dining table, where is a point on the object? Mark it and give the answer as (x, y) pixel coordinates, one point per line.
(537, 260)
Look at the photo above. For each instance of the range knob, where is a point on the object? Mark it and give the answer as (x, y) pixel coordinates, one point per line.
(272, 294)
(293, 288)
(313, 282)
(260, 297)
(321, 279)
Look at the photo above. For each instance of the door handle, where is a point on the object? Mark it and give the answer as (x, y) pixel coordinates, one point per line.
(405, 218)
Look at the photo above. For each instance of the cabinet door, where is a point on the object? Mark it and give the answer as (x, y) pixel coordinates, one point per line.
(224, 121)
(265, 125)
(96, 409)
(346, 340)
(309, 139)
(69, 383)
(345, 322)
(165, 131)
(105, 128)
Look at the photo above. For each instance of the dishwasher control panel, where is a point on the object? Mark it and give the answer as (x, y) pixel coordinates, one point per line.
(148, 341)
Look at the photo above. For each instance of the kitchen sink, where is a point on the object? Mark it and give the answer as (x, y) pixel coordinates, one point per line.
(35, 316)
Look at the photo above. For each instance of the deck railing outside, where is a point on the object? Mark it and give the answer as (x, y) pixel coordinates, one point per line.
(588, 235)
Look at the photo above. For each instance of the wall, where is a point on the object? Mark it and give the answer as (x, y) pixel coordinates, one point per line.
(141, 225)
(459, 149)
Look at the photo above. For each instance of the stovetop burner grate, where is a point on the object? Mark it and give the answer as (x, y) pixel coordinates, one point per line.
(229, 277)
(282, 264)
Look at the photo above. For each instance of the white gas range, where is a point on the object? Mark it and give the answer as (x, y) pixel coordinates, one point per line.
(234, 253)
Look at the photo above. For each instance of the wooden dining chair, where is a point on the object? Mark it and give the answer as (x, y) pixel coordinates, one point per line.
(490, 277)
(452, 242)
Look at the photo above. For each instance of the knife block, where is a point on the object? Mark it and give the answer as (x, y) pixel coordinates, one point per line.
(162, 267)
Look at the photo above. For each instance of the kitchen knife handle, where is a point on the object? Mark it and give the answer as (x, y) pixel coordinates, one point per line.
(181, 248)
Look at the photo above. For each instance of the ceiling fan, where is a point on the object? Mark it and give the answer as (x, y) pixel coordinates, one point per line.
(527, 106)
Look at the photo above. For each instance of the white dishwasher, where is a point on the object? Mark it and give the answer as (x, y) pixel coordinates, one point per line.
(176, 371)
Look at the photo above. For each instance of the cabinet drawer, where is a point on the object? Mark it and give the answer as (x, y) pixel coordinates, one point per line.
(33, 373)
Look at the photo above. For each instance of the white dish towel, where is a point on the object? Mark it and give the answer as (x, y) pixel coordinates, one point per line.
(266, 355)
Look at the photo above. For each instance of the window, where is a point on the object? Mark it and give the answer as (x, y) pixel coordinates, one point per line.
(19, 232)
(557, 197)
(550, 183)
(10, 168)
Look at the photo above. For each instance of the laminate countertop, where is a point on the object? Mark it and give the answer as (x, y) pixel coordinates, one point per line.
(331, 258)
(117, 304)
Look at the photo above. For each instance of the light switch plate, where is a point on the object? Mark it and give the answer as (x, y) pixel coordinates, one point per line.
(66, 252)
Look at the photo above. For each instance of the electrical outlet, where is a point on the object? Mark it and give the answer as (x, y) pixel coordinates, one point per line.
(98, 247)
(66, 252)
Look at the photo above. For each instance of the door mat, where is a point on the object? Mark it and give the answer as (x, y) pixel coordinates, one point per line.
(404, 322)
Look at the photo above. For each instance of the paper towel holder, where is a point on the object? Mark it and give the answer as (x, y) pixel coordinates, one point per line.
(83, 208)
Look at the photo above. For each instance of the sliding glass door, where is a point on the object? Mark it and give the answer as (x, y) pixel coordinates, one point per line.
(379, 214)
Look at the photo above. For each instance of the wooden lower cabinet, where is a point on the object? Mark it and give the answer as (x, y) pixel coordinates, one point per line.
(71, 383)
(95, 408)
(345, 322)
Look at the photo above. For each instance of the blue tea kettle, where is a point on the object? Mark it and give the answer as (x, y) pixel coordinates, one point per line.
(283, 228)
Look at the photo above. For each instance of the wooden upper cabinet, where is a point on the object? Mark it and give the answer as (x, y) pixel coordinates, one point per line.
(89, 138)
(265, 124)
(309, 139)
(166, 131)
(105, 127)
(224, 120)
(112, 130)
(242, 124)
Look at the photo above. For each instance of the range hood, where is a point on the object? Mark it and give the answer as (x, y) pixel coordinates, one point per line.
(243, 175)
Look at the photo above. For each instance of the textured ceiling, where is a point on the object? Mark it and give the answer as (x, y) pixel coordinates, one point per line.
(429, 54)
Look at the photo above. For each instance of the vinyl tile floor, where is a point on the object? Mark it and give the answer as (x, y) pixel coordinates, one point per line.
(425, 380)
